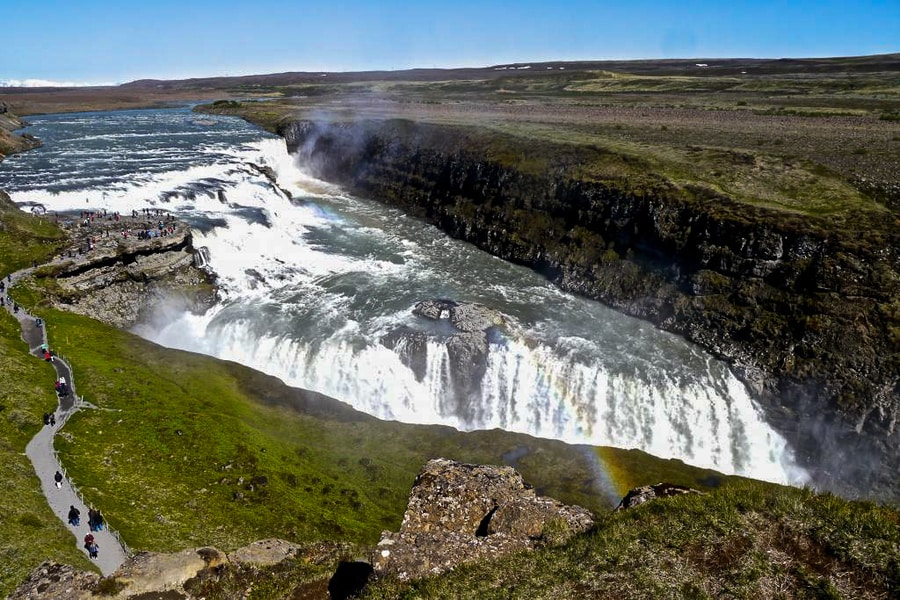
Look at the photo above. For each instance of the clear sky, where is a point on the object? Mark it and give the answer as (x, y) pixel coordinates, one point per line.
(101, 41)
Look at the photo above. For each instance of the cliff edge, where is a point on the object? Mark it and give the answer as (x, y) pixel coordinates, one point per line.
(803, 306)
(11, 143)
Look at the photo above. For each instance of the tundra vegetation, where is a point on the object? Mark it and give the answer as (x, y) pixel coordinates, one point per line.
(184, 450)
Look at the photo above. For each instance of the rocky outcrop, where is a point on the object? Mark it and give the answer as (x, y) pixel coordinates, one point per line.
(464, 328)
(61, 582)
(119, 279)
(11, 143)
(194, 573)
(807, 315)
(459, 513)
(646, 493)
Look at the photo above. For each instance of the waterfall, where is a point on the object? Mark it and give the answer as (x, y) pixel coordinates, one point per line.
(312, 282)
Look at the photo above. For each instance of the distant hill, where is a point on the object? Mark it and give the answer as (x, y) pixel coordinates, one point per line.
(713, 66)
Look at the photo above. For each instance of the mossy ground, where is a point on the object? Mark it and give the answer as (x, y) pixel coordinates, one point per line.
(747, 541)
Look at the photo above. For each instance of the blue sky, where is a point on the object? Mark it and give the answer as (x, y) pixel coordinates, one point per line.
(98, 41)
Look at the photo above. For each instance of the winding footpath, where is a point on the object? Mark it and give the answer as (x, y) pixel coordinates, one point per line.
(42, 455)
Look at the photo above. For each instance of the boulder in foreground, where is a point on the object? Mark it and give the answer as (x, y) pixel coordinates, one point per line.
(460, 513)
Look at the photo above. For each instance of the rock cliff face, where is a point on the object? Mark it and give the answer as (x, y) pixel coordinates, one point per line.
(809, 318)
(464, 328)
(122, 280)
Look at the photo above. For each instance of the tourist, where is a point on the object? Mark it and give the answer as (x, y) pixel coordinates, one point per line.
(91, 546)
(52, 419)
(93, 517)
(57, 479)
(74, 516)
(46, 418)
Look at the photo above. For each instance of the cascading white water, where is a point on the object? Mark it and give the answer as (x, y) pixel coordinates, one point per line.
(313, 282)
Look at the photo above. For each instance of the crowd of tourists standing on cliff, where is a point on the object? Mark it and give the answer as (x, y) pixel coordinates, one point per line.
(165, 225)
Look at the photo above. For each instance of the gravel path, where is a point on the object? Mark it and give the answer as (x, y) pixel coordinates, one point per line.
(46, 464)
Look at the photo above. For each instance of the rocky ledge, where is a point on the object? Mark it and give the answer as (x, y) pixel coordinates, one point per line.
(176, 576)
(113, 270)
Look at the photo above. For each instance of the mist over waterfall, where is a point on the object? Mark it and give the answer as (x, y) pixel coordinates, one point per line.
(318, 289)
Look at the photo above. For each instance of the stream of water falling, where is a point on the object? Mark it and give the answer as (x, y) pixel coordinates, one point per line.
(312, 281)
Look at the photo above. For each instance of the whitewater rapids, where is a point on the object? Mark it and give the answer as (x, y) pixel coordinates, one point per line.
(311, 281)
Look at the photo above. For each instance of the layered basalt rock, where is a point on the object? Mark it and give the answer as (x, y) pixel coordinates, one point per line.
(807, 316)
(122, 280)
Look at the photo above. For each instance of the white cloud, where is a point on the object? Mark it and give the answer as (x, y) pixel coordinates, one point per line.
(45, 83)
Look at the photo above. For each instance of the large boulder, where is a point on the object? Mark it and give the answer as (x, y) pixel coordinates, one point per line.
(459, 513)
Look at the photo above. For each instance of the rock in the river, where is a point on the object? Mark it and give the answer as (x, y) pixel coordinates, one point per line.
(465, 336)
(459, 513)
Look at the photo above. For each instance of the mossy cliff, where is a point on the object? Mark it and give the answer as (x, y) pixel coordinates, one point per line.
(805, 306)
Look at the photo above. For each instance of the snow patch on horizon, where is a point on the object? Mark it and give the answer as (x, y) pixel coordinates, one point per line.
(49, 83)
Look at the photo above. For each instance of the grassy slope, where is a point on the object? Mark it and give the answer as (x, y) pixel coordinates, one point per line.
(31, 533)
(747, 541)
(179, 437)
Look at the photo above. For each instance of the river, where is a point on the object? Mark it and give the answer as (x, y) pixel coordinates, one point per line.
(313, 280)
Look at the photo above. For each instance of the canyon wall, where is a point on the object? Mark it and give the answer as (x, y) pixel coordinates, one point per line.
(808, 316)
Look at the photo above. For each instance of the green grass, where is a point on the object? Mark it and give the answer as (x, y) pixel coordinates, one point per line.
(178, 439)
(25, 238)
(31, 532)
(751, 540)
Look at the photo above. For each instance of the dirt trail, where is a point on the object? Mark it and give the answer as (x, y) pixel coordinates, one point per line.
(42, 455)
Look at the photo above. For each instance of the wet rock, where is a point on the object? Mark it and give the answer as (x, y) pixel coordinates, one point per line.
(412, 348)
(464, 328)
(645, 493)
(459, 513)
(434, 309)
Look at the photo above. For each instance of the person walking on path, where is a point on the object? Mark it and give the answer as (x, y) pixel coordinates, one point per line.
(95, 519)
(59, 492)
(91, 546)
